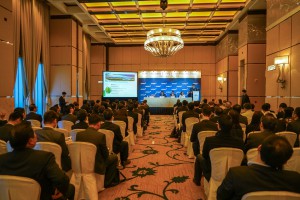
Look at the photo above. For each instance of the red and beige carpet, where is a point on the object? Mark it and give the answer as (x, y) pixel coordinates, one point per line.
(159, 168)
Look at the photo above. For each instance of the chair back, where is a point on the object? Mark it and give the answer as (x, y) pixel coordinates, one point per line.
(3, 148)
(290, 136)
(221, 160)
(202, 135)
(109, 136)
(36, 128)
(250, 133)
(19, 188)
(64, 131)
(271, 195)
(74, 133)
(50, 147)
(139, 119)
(122, 126)
(180, 117)
(130, 123)
(189, 122)
(65, 124)
(34, 123)
(293, 164)
(139, 126)
(251, 155)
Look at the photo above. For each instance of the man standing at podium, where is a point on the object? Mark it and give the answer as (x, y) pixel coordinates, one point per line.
(193, 88)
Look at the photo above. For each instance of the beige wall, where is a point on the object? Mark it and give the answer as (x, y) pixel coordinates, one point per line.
(7, 74)
(283, 39)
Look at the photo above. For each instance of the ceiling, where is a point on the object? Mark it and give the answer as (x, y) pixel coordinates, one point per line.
(127, 21)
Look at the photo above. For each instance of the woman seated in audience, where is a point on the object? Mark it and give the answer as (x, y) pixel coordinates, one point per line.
(283, 122)
(236, 130)
(255, 122)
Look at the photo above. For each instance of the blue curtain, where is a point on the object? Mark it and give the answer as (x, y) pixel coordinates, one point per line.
(20, 85)
(39, 91)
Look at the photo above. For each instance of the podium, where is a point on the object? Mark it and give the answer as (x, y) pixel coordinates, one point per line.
(196, 95)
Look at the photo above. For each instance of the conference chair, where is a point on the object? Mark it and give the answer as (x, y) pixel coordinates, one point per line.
(65, 124)
(290, 136)
(130, 130)
(3, 147)
(271, 195)
(202, 135)
(250, 133)
(64, 131)
(251, 155)
(19, 188)
(189, 122)
(293, 164)
(244, 131)
(139, 126)
(109, 136)
(122, 126)
(221, 160)
(87, 183)
(34, 123)
(36, 128)
(182, 137)
(74, 133)
(50, 147)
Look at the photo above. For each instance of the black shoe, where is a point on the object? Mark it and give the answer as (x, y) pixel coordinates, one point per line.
(127, 162)
(196, 182)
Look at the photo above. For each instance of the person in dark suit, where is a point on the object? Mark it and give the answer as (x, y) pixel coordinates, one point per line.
(183, 107)
(236, 130)
(119, 146)
(14, 119)
(104, 163)
(121, 115)
(217, 115)
(245, 97)
(162, 94)
(69, 116)
(265, 174)
(267, 127)
(82, 117)
(22, 111)
(48, 134)
(32, 114)
(146, 108)
(255, 122)
(134, 115)
(62, 102)
(294, 126)
(38, 165)
(242, 119)
(222, 139)
(193, 88)
(204, 125)
(197, 108)
(188, 114)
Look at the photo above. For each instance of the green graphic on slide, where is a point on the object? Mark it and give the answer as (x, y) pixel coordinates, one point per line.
(106, 91)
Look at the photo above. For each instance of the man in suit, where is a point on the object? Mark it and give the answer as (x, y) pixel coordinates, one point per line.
(238, 109)
(193, 88)
(62, 101)
(222, 139)
(217, 115)
(162, 94)
(22, 111)
(294, 126)
(121, 115)
(104, 163)
(134, 115)
(48, 134)
(32, 114)
(38, 165)
(147, 111)
(14, 119)
(188, 114)
(204, 125)
(119, 146)
(69, 116)
(82, 117)
(267, 127)
(245, 97)
(265, 174)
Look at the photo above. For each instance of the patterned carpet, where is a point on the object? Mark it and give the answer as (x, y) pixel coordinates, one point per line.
(159, 168)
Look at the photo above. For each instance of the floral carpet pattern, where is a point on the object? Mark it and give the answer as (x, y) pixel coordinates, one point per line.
(159, 169)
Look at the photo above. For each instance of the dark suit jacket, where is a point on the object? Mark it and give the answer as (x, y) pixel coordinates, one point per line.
(69, 117)
(124, 119)
(245, 99)
(135, 117)
(295, 127)
(256, 139)
(117, 132)
(33, 115)
(37, 165)
(253, 178)
(188, 114)
(91, 135)
(243, 119)
(204, 125)
(80, 125)
(50, 135)
(5, 132)
(62, 103)
(3, 122)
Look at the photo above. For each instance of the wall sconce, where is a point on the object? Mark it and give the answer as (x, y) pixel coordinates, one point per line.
(221, 80)
(280, 62)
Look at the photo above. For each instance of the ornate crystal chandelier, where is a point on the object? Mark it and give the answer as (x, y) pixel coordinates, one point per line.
(163, 42)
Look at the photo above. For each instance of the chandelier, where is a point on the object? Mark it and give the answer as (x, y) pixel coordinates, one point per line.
(163, 42)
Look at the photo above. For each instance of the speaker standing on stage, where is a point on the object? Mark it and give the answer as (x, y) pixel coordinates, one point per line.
(193, 88)
(245, 97)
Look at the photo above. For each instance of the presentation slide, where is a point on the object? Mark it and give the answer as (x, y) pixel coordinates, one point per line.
(119, 84)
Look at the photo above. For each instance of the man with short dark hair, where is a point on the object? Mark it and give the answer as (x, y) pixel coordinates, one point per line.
(188, 114)
(265, 174)
(119, 146)
(294, 126)
(223, 138)
(62, 101)
(14, 119)
(69, 114)
(104, 163)
(82, 117)
(32, 114)
(218, 114)
(267, 127)
(280, 112)
(38, 165)
(22, 111)
(242, 119)
(248, 112)
(245, 97)
(134, 115)
(49, 134)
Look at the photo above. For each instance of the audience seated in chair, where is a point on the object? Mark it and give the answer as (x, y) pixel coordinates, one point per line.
(82, 117)
(295, 125)
(104, 163)
(34, 164)
(48, 134)
(69, 116)
(32, 114)
(265, 174)
(14, 119)
(188, 114)
(134, 115)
